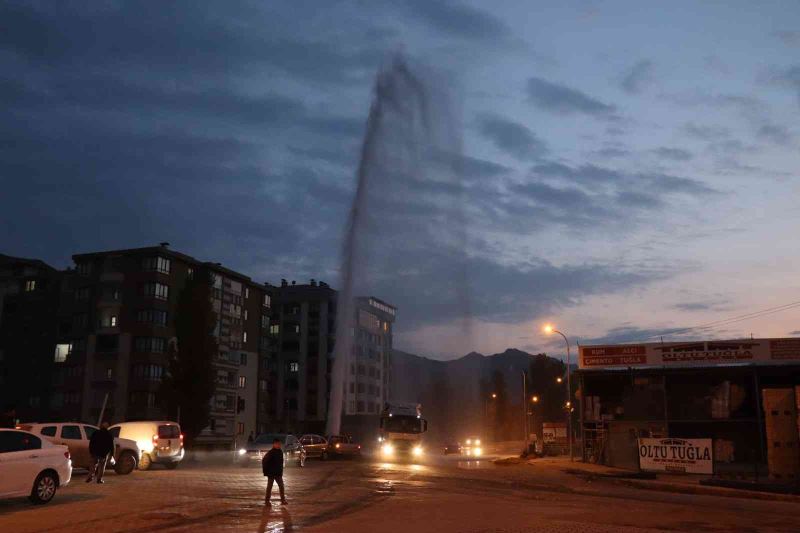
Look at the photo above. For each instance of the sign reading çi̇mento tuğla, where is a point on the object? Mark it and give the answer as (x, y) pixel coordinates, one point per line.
(686, 456)
(691, 353)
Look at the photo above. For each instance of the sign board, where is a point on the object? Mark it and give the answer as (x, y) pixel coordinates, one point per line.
(694, 353)
(554, 432)
(685, 456)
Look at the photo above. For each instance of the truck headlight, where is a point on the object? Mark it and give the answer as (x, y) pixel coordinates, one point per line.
(417, 450)
(387, 449)
(242, 451)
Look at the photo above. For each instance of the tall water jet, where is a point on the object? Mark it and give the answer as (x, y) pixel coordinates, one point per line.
(406, 228)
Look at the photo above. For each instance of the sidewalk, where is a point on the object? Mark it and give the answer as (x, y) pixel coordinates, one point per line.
(684, 484)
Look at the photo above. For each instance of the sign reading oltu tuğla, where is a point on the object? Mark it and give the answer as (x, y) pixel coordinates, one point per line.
(687, 456)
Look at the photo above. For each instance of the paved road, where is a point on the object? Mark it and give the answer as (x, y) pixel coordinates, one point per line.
(371, 496)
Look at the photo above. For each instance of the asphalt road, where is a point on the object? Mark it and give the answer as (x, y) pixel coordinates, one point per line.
(442, 494)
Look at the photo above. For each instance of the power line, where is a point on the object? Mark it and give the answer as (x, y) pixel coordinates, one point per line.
(731, 320)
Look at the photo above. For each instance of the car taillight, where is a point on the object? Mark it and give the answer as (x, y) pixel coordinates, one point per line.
(66, 454)
(181, 439)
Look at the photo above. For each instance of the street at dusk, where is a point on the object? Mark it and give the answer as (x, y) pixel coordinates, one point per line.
(407, 265)
(442, 494)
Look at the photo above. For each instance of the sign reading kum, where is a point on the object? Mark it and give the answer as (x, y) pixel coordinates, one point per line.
(693, 353)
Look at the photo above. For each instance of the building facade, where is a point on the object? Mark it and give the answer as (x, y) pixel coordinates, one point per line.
(294, 378)
(116, 323)
(29, 299)
(368, 378)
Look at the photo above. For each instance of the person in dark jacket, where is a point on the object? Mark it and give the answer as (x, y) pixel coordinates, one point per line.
(9, 417)
(100, 446)
(272, 465)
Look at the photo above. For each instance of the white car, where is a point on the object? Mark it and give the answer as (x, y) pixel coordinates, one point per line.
(159, 441)
(75, 436)
(31, 466)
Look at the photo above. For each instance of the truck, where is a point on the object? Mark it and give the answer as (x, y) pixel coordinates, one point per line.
(401, 429)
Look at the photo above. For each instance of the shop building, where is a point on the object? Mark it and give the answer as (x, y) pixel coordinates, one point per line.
(743, 395)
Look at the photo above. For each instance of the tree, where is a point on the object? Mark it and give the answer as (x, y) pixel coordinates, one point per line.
(189, 382)
(543, 379)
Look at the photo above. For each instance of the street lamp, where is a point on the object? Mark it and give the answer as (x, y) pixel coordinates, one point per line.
(559, 380)
(535, 399)
(549, 329)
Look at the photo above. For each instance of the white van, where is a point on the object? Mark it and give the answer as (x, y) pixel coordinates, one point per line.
(159, 441)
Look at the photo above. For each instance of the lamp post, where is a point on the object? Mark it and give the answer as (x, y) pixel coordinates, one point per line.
(550, 329)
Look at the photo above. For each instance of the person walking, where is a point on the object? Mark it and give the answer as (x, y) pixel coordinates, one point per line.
(272, 465)
(100, 445)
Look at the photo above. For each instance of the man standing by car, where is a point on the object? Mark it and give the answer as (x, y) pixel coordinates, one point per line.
(272, 465)
(100, 445)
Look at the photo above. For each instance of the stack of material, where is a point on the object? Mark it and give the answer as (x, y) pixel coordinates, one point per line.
(783, 439)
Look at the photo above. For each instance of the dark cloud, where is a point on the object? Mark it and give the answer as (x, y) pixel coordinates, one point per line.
(637, 77)
(788, 77)
(789, 37)
(673, 154)
(561, 99)
(611, 152)
(458, 19)
(630, 334)
(706, 132)
(511, 137)
(776, 134)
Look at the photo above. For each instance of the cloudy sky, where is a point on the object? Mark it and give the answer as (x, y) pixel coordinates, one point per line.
(627, 170)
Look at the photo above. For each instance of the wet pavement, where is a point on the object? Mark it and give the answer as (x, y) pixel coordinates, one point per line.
(442, 494)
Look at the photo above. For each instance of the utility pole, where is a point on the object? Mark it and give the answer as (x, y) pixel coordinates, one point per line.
(525, 409)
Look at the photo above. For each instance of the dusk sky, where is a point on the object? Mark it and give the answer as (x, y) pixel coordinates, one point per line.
(629, 170)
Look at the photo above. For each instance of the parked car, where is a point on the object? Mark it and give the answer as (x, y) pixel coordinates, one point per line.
(472, 446)
(76, 437)
(343, 446)
(160, 441)
(293, 451)
(315, 446)
(452, 447)
(31, 466)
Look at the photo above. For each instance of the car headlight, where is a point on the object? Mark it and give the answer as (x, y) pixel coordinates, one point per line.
(387, 449)
(476, 452)
(417, 450)
(242, 451)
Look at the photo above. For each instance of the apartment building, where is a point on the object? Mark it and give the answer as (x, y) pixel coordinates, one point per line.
(115, 326)
(367, 387)
(29, 296)
(294, 379)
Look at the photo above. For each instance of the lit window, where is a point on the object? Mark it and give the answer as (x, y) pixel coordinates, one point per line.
(246, 314)
(247, 292)
(274, 329)
(242, 381)
(62, 351)
(30, 285)
(244, 336)
(267, 300)
(158, 291)
(294, 367)
(190, 273)
(157, 264)
(109, 373)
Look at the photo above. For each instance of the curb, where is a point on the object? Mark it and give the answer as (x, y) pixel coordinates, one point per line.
(705, 490)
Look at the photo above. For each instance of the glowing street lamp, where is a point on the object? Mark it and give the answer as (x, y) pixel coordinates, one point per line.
(494, 395)
(549, 329)
(559, 380)
(535, 399)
